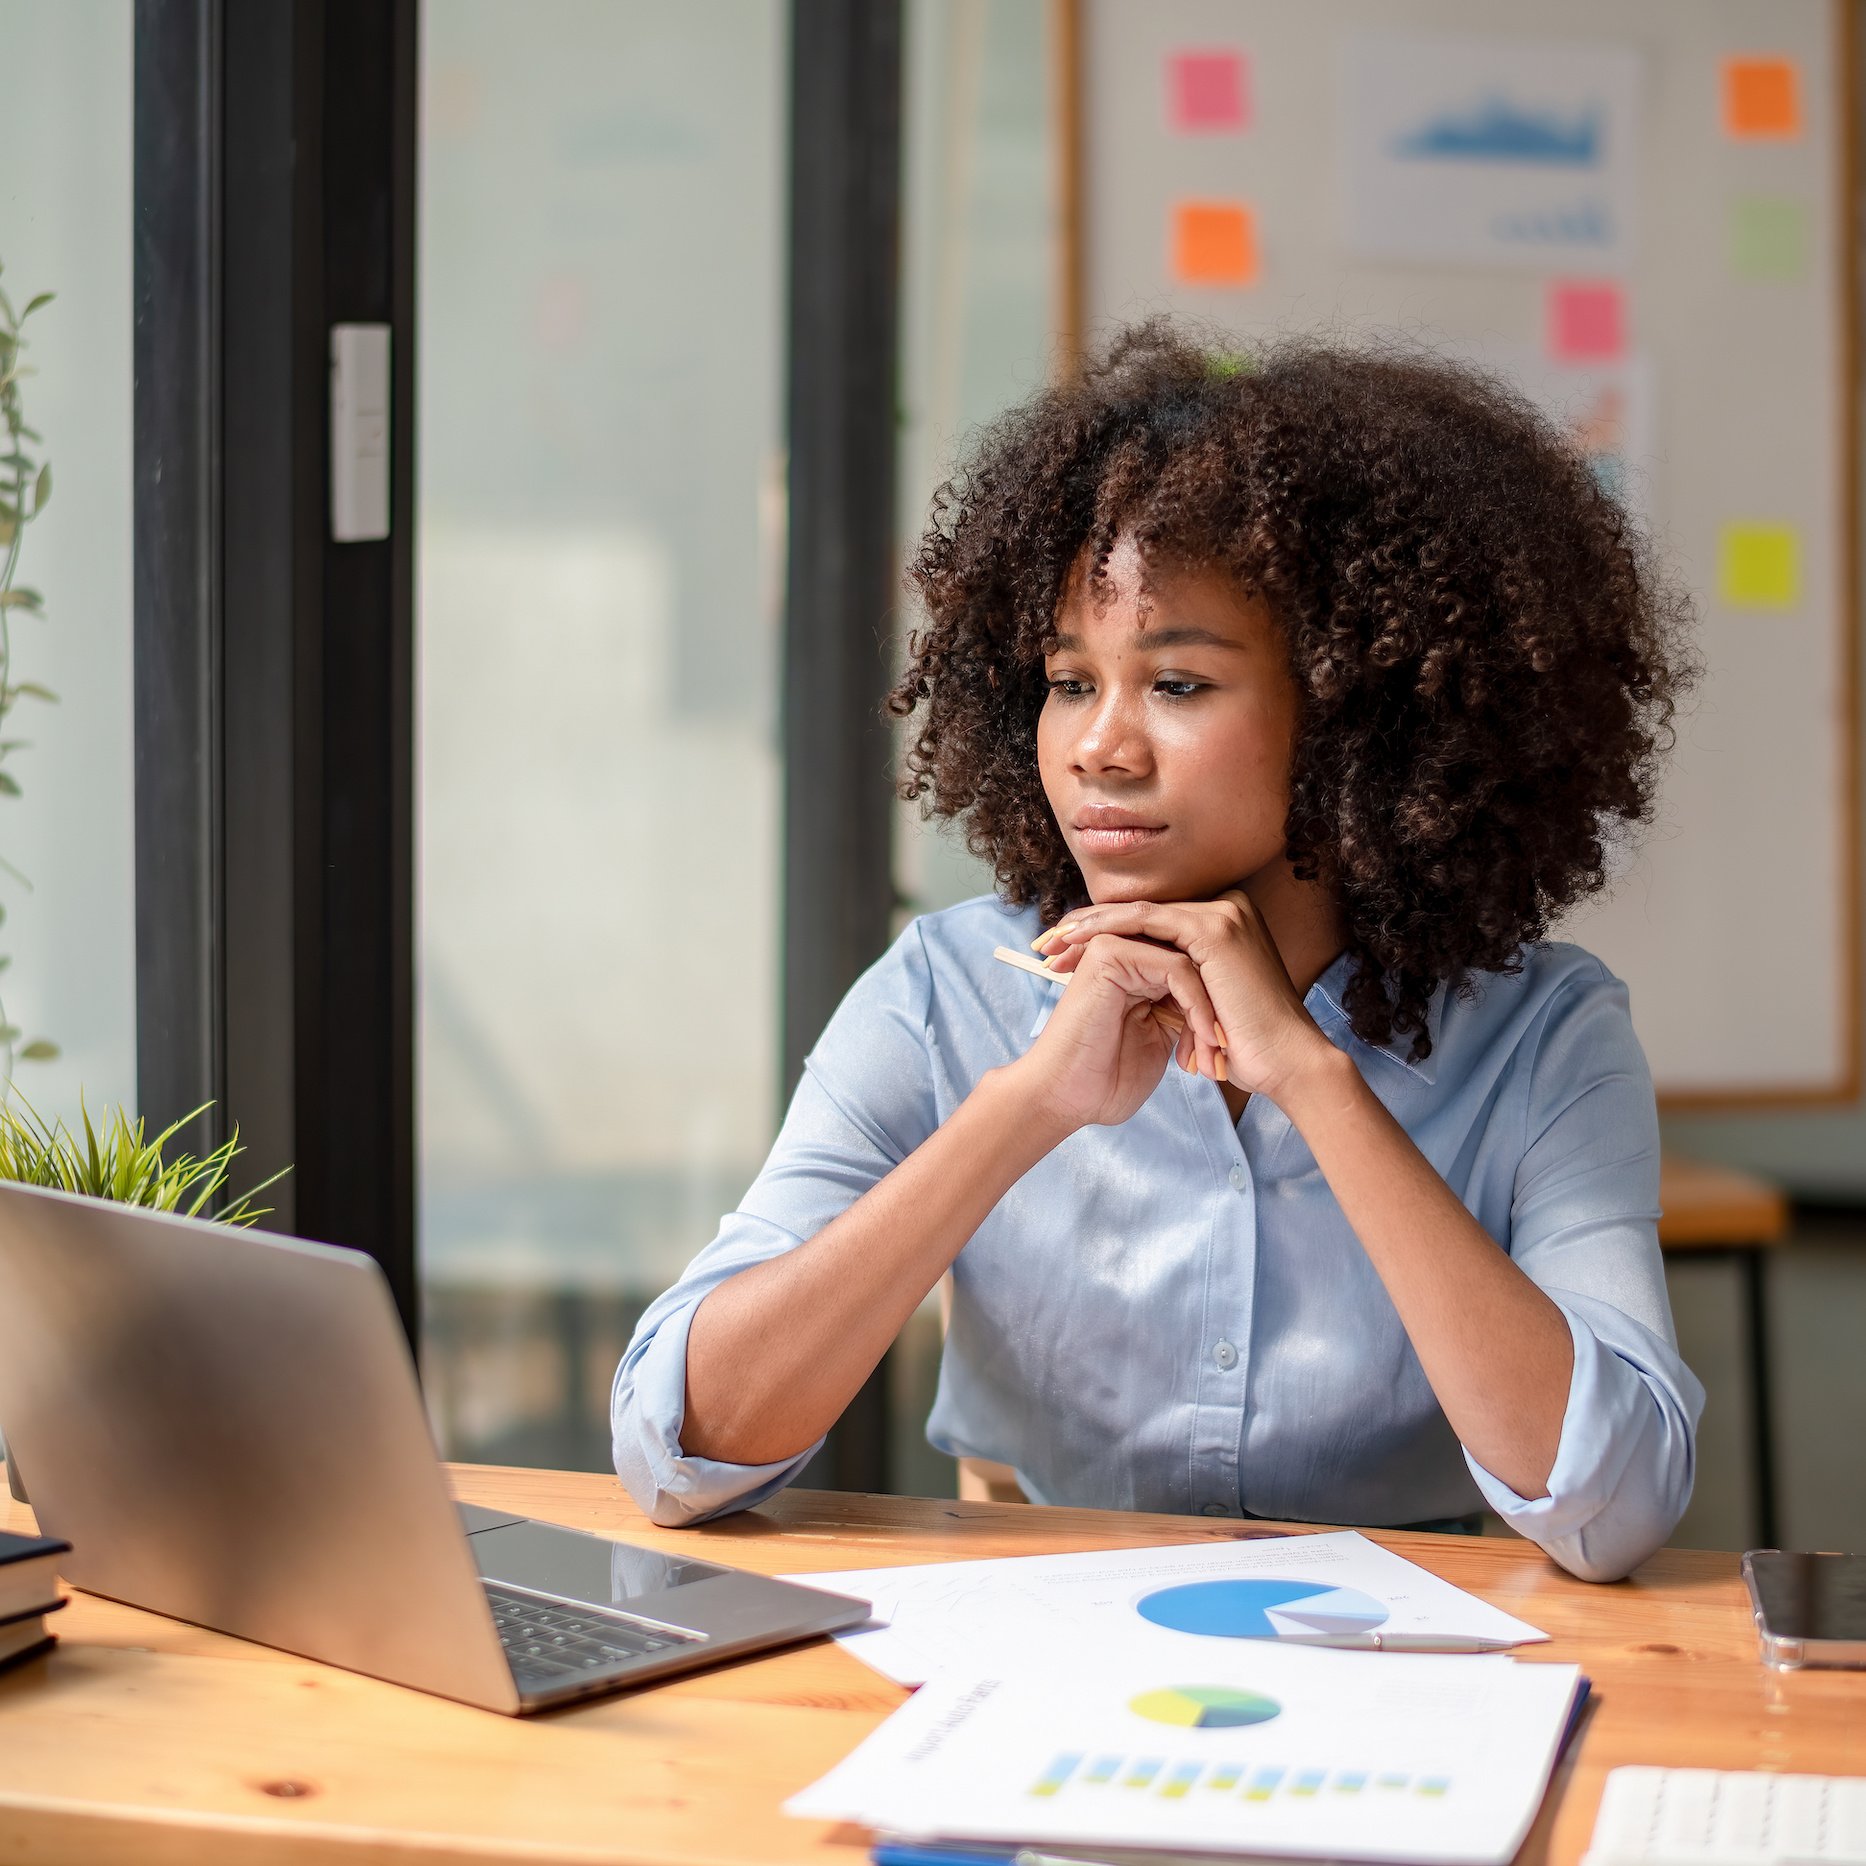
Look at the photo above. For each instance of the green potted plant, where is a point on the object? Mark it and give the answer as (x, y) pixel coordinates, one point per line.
(114, 1161)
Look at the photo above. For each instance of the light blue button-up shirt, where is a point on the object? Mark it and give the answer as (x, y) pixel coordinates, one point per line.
(1173, 1314)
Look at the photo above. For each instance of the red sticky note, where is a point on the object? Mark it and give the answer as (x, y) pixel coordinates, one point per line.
(1586, 322)
(1214, 243)
(1207, 92)
(1761, 99)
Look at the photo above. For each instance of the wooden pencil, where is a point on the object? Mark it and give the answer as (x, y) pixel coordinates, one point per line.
(1172, 1019)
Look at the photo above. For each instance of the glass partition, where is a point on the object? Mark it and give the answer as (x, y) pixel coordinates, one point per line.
(976, 335)
(67, 800)
(600, 510)
(67, 808)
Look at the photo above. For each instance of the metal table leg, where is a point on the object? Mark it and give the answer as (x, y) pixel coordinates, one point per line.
(1762, 1422)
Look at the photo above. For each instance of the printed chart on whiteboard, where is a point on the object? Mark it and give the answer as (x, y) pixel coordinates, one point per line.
(1498, 152)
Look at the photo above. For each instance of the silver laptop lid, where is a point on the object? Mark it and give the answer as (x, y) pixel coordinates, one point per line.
(226, 1427)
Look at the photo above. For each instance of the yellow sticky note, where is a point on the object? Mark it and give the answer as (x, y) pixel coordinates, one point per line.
(1759, 566)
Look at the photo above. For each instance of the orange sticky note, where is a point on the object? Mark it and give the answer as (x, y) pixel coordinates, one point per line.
(1761, 98)
(1214, 243)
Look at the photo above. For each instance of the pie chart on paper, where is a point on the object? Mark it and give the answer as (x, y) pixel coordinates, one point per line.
(1282, 1607)
(1205, 1707)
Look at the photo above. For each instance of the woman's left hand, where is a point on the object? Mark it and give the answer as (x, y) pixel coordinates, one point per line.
(1269, 1037)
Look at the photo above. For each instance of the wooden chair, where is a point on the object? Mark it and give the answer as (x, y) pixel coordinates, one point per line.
(1717, 1211)
(980, 1480)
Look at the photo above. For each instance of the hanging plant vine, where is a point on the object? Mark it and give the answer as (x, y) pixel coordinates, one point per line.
(25, 486)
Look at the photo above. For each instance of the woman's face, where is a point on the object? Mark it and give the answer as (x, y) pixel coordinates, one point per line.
(1166, 738)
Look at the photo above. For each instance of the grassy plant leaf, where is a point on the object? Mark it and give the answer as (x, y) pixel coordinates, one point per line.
(90, 1135)
(39, 1050)
(42, 489)
(115, 1161)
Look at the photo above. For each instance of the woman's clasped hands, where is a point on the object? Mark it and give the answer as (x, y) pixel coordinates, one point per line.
(1197, 982)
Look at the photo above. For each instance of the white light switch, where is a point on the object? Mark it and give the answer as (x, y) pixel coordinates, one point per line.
(359, 432)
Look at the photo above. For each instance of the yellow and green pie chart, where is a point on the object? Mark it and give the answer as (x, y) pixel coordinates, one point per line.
(1204, 1707)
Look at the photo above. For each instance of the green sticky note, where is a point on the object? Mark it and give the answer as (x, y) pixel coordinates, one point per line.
(1759, 566)
(1768, 238)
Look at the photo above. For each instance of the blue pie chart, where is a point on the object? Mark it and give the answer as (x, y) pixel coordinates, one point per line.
(1283, 1608)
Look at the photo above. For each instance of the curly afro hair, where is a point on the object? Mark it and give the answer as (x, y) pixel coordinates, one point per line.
(1487, 657)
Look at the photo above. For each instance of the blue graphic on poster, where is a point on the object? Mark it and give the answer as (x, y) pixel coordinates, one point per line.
(1502, 152)
(1498, 130)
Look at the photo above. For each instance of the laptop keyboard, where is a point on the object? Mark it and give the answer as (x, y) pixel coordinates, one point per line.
(550, 1642)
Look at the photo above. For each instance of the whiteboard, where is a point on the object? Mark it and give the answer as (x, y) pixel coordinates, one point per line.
(1716, 260)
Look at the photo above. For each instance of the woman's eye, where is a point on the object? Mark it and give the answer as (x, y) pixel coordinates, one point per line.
(1179, 689)
(1066, 688)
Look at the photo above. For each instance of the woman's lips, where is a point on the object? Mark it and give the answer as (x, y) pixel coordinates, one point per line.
(1116, 838)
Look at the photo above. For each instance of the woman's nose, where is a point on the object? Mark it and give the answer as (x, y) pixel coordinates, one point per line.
(1113, 738)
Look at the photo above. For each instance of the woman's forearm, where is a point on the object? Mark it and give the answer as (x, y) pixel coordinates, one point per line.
(776, 1352)
(1495, 1348)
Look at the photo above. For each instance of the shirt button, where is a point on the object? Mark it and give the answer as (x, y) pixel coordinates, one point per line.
(1215, 1509)
(1225, 1355)
(1238, 1177)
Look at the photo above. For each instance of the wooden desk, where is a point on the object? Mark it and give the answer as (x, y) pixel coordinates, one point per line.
(1716, 1211)
(143, 1740)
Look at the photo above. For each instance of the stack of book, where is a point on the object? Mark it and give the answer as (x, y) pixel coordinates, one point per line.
(28, 1592)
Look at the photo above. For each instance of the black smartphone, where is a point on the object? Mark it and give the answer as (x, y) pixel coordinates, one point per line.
(1810, 1609)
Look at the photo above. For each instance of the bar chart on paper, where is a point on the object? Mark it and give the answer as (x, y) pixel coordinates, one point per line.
(1262, 1607)
(1085, 1777)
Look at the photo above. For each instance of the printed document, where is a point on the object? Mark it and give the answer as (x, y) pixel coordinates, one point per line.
(1253, 1747)
(1336, 1588)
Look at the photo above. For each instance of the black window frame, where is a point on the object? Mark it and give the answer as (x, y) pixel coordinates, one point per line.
(275, 195)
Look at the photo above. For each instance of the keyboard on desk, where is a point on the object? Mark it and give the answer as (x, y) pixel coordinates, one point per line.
(549, 1643)
(1729, 1817)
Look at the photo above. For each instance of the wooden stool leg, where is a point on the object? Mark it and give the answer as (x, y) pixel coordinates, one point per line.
(1761, 1400)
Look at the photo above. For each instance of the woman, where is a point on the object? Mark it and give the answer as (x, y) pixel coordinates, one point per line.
(1294, 696)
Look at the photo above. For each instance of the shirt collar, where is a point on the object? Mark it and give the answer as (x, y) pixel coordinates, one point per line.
(1324, 1004)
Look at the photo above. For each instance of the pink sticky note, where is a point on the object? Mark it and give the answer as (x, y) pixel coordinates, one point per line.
(1206, 92)
(1586, 322)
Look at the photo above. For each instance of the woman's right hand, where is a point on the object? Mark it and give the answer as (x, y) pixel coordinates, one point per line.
(1104, 1049)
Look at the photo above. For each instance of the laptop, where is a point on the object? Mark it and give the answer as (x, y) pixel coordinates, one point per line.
(226, 1427)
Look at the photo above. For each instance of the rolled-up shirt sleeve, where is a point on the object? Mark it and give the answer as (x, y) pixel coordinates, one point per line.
(1584, 1227)
(864, 1103)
